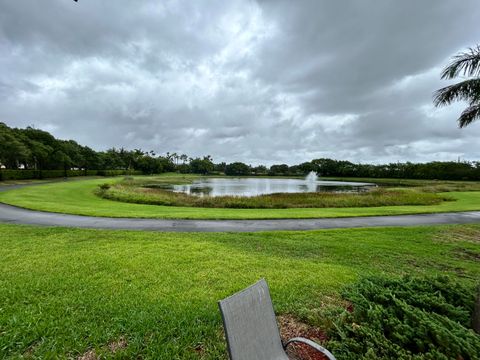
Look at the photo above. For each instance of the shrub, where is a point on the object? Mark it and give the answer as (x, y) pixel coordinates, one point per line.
(104, 186)
(19, 174)
(407, 318)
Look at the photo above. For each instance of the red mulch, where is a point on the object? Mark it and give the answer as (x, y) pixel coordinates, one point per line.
(291, 327)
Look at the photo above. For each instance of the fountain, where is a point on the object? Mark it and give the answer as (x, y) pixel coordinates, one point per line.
(311, 177)
(311, 181)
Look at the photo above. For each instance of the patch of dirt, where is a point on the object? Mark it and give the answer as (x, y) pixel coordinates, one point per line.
(290, 327)
(349, 307)
(89, 355)
(120, 344)
(199, 349)
(30, 351)
(434, 265)
(113, 347)
(467, 254)
(464, 233)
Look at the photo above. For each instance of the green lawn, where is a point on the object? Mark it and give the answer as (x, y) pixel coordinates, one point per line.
(64, 292)
(77, 197)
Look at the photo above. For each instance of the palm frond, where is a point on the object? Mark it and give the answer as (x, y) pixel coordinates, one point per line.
(469, 115)
(466, 63)
(468, 90)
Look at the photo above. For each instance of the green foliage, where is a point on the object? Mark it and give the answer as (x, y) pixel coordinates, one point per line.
(406, 318)
(463, 64)
(201, 166)
(448, 170)
(237, 168)
(36, 150)
(281, 169)
(104, 186)
(260, 170)
(19, 174)
(12, 151)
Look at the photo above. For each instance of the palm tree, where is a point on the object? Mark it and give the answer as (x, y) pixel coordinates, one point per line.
(465, 64)
(184, 158)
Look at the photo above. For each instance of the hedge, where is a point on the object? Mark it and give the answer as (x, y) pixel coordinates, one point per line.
(48, 174)
(409, 318)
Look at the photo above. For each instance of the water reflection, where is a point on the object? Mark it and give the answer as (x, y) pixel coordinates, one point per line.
(259, 186)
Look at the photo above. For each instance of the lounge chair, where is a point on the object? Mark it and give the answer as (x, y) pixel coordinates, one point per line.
(251, 327)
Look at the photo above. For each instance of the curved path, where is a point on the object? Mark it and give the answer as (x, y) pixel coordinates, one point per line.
(15, 215)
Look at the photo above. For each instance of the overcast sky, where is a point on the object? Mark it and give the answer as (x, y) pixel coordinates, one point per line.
(254, 81)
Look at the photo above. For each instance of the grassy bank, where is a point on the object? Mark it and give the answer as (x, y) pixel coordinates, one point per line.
(77, 197)
(65, 293)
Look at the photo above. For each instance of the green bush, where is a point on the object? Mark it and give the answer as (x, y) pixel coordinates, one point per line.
(407, 318)
(104, 186)
(49, 174)
(19, 174)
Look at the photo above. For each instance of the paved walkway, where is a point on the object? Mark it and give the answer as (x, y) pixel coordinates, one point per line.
(15, 215)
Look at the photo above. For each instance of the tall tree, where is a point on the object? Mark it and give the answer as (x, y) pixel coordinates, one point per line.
(12, 150)
(464, 64)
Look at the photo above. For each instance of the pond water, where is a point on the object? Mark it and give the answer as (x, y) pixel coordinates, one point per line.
(260, 186)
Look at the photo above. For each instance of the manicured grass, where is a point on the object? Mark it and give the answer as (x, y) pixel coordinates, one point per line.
(64, 292)
(77, 197)
(143, 192)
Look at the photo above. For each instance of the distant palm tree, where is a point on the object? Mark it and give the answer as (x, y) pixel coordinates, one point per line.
(466, 64)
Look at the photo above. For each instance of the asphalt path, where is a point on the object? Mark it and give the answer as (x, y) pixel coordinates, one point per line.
(15, 215)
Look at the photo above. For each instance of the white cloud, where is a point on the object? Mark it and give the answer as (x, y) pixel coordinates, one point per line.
(260, 82)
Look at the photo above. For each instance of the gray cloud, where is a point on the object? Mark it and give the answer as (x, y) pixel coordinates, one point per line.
(260, 82)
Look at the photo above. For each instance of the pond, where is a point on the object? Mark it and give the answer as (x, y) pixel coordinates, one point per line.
(261, 186)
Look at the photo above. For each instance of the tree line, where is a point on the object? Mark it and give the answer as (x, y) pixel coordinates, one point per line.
(441, 170)
(35, 149)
